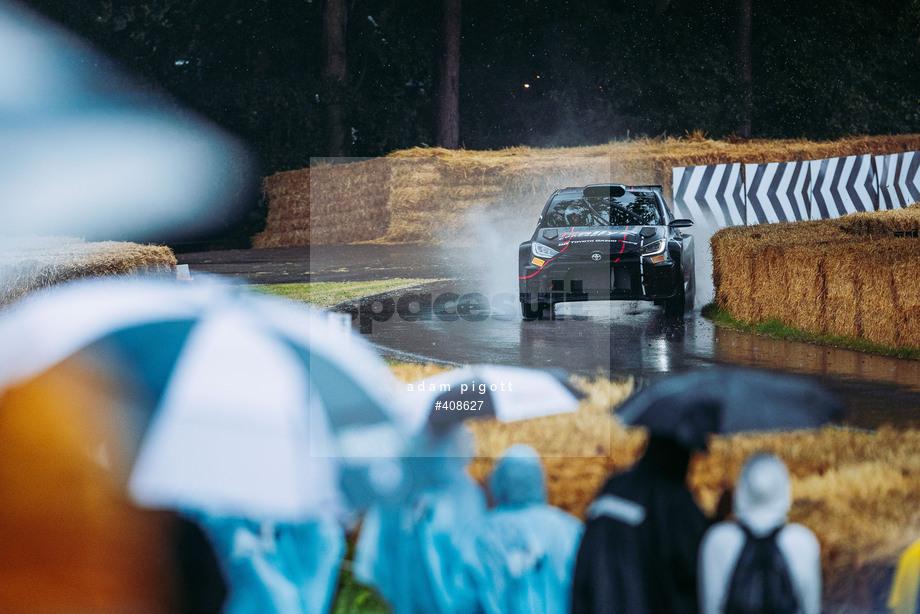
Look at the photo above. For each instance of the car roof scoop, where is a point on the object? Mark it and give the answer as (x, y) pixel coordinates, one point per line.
(604, 190)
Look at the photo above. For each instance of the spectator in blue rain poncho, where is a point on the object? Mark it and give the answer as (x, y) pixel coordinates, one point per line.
(410, 550)
(310, 553)
(522, 556)
(269, 568)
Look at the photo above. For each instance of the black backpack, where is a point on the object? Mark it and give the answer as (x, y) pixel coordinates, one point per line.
(761, 582)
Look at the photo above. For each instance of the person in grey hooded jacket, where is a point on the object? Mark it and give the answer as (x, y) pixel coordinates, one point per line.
(761, 501)
(523, 553)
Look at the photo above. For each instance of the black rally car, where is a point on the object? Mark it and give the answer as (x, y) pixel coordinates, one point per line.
(607, 242)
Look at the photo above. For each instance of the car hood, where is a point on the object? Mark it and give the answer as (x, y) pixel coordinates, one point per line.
(586, 240)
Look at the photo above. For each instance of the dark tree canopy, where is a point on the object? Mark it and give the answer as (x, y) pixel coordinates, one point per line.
(532, 72)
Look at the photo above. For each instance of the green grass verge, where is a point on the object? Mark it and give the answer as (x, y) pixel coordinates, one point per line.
(352, 597)
(329, 293)
(776, 329)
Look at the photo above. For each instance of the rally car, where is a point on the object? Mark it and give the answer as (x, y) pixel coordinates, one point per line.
(607, 242)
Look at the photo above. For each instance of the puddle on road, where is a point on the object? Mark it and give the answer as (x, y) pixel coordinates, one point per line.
(877, 390)
(736, 347)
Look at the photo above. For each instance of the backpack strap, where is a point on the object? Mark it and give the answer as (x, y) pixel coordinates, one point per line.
(748, 534)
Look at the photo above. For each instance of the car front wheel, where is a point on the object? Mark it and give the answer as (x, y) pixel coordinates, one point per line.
(676, 306)
(534, 311)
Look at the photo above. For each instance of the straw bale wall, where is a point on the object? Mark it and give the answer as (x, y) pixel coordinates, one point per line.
(30, 263)
(431, 194)
(333, 203)
(851, 276)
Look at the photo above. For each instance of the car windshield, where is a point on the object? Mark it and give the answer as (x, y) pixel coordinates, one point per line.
(638, 208)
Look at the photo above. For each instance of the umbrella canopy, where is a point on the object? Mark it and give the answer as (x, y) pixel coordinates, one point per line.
(126, 164)
(690, 406)
(253, 406)
(489, 391)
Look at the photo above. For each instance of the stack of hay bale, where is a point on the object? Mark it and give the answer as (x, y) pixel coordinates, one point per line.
(851, 276)
(435, 195)
(31, 263)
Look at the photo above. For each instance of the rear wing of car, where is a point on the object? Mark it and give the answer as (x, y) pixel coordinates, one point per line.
(653, 188)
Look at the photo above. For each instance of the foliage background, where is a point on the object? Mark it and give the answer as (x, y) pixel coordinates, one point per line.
(597, 70)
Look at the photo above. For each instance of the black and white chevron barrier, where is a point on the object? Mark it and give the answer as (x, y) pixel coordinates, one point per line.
(898, 179)
(842, 185)
(777, 192)
(714, 194)
(722, 195)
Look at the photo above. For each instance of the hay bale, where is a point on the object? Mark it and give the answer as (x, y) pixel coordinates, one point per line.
(907, 291)
(30, 263)
(844, 292)
(806, 288)
(328, 204)
(288, 198)
(850, 276)
(428, 194)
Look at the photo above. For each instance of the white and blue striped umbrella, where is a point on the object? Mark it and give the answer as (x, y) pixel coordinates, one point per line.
(252, 406)
(126, 164)
(507, 393)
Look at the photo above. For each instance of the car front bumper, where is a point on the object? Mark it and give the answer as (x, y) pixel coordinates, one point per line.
(633, 279)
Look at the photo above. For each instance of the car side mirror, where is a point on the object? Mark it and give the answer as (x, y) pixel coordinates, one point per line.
(680, 223)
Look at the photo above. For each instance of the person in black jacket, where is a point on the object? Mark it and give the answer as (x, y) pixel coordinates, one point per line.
(639, 551)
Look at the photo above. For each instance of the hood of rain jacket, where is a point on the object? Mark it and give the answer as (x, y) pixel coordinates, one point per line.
(518, 478)
(762, 494)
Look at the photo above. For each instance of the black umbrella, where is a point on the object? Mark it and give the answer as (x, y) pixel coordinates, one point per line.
(690, 406)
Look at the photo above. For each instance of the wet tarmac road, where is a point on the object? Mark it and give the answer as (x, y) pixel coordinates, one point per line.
(366, 262)
(613, 338)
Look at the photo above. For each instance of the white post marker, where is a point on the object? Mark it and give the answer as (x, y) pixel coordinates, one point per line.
(340, 322)
(182, 273)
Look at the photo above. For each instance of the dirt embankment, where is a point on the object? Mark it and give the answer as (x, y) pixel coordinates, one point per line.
(435, 195)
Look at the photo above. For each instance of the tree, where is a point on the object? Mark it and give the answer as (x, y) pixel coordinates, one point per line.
(743, 66)
(448, 115)
(334, 23)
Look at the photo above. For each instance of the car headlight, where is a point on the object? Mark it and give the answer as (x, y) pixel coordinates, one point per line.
(655, 247)
(543, 251)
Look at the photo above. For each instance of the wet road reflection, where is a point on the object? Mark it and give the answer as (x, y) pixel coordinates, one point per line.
(734, 347)
(616, 339)
(635, 339)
